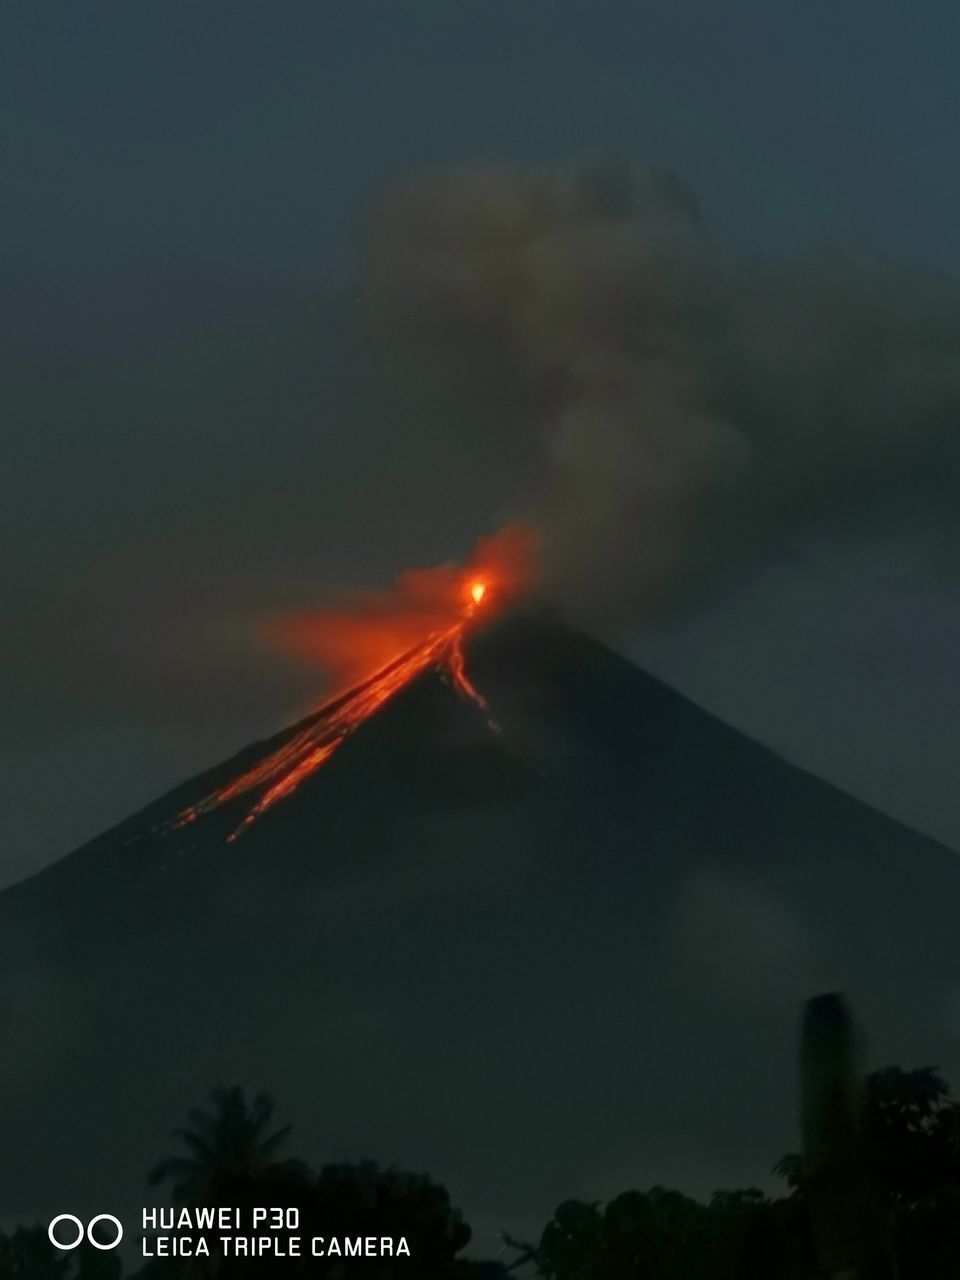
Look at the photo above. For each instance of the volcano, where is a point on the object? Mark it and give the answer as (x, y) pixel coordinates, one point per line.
(545, 941)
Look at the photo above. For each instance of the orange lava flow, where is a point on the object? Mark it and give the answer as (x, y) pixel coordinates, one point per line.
(284, 770)
(422, 618)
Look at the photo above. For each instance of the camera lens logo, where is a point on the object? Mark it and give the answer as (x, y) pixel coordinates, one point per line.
(82, 1231)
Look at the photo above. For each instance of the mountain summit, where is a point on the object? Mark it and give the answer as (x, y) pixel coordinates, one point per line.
(546, 941)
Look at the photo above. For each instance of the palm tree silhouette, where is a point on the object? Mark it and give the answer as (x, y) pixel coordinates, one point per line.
(226, 1140)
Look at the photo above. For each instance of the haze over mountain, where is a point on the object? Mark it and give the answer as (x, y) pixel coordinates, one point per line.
(558, 959)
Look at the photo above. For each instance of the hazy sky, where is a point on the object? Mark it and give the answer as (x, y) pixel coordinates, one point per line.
(197, 429)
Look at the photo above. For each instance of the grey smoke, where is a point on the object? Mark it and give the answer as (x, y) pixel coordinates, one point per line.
(699, 412)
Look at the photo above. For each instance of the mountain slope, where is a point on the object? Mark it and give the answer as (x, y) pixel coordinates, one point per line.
(558, 959)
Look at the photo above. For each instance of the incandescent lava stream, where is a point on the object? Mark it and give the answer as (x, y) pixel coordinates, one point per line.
(281, 772)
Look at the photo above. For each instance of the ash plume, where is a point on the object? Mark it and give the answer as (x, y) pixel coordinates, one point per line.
(699, 412)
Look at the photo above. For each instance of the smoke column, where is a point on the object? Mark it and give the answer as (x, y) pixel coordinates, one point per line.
(699, 413)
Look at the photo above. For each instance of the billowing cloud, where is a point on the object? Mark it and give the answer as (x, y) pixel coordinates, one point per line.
(699, 412)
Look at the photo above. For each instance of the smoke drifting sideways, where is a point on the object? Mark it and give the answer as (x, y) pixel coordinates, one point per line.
(700, 413)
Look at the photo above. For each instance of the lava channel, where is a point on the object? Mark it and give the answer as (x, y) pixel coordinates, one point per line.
(282, 771)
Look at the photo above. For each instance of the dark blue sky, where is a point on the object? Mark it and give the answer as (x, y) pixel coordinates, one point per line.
(181, 180)
(247, 133)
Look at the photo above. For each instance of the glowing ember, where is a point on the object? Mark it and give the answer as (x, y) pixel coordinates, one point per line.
(357, 632)
(421, 618)
(283, 771)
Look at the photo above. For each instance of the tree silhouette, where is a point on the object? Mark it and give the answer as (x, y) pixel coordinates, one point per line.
(27, 1254)
(364, 1199)
(911, 1152)
(911, 1135)
(231, 1159)
(665, 1235)
(913, 1131)
(229, 1141)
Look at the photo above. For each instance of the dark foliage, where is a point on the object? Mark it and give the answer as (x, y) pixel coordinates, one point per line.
(663, 1235)
(911, 1142)
(27, 1254)
(911, 1139)
(230, 1140)
(232, 1149)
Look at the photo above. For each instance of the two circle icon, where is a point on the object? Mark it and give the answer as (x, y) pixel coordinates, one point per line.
(83, 1231)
